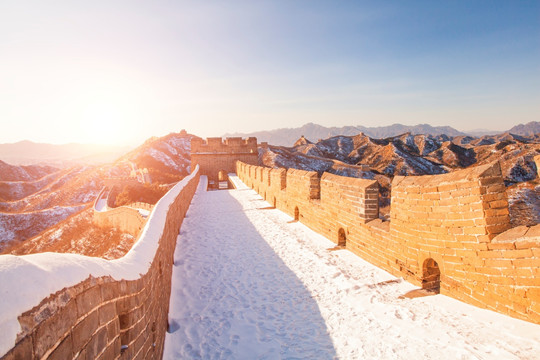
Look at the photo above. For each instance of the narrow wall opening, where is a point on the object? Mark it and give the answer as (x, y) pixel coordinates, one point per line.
(431, 277)
(223, 180)
(342, 238)
(275, 202)
(296, 214)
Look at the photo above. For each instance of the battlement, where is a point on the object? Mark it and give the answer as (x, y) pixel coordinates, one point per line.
(448, 233)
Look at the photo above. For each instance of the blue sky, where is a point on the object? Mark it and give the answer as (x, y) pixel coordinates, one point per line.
(70, 69)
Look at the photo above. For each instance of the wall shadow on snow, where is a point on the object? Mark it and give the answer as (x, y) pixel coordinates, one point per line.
(233, 296)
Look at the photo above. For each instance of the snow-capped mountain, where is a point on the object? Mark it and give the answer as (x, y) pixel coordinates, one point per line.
(409, 154)
(36, 201)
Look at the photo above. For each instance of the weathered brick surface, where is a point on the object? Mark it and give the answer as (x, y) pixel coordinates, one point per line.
(97, 317)
(214, 154)
(451, 230)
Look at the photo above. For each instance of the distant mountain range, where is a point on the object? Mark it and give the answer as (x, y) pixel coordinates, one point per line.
(29, 153)
(314, 132)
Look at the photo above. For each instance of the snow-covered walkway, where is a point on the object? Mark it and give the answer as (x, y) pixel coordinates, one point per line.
(250, 284)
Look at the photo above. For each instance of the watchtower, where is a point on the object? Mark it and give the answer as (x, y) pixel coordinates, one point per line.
(217, 157)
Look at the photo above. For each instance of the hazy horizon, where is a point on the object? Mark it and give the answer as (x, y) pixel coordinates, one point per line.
(120, 72)
(134, 144)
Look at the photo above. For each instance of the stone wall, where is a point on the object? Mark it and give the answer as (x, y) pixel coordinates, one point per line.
(447, 233)
(98, 309)
(124, 218)
(215, 155)
(537, 162)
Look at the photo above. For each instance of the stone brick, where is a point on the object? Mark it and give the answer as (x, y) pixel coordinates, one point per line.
(107, 313)
(88, 300)
(84, 330)
(64, 350)
(97, 343)
(54, 328)
(21, 351)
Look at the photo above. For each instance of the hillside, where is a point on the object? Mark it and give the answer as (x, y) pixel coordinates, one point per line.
(37, 199)
(65, 155)
(409, 154)
(29, 207)
(76, 234)
(23, 173)
(530, 129)
(167, 158)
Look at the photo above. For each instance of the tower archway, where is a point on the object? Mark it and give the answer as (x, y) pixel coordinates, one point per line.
(342, 237)
(431, 276)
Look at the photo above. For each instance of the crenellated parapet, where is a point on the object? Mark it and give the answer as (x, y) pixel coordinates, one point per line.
(217, 157)
(448, 233)
(231, 145)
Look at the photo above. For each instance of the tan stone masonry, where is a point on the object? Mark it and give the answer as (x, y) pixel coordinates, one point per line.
(446, 232)
(102, 318)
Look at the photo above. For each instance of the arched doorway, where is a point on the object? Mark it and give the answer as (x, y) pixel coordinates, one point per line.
(431, 276)
(223, 180)
(342, 238)
(296, 214)
(222, 175)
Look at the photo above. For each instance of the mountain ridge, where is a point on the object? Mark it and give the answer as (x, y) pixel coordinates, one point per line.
(26, 152)
(313, 132)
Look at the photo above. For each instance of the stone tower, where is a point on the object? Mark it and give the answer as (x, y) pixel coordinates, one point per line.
(217, 157)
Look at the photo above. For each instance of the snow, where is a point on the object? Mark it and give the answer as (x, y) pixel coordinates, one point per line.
(27, 280)
(143, 212)
(163, 158)
(261, 287)
(101, 203)
(13, 226)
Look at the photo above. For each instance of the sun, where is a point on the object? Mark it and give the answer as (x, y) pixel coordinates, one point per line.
(106, 123)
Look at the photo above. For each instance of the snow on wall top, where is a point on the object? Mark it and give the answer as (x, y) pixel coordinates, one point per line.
(27, 280)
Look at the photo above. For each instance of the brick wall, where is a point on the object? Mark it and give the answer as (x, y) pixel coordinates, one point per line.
(214, 154)
(449, 233)
(119, 311)
(125, 218)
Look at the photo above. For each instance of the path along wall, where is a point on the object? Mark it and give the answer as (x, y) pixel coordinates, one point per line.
(63, 306)
(449, 233)
(125, 218)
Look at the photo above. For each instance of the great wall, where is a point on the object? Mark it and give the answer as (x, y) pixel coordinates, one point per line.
(447, 233)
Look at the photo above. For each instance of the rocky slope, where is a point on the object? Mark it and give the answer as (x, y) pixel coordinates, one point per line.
(76, 234)
(34, 200)
(409, 154)
(167, 158)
